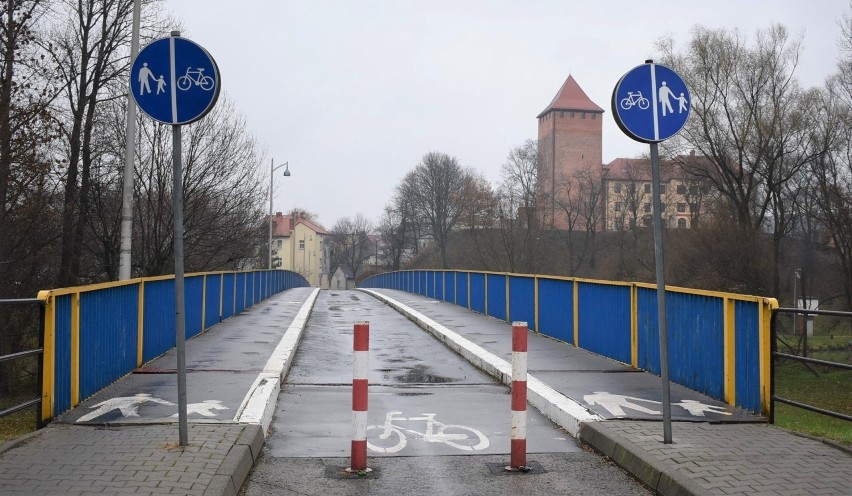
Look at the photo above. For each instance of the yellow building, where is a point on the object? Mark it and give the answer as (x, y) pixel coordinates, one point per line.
(298, 244)
(687, 200)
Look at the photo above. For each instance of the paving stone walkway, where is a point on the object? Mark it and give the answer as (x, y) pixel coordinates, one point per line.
(142, 460)
(725, 459)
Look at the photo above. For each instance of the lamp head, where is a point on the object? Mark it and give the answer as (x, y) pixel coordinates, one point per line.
(286, 169)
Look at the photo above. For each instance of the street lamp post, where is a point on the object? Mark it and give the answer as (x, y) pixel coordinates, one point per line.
(272, 170)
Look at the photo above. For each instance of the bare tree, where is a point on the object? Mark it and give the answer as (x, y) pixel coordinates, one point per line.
(741, 100)
(832, 170)
(223, 195)
(89, 52)
(350, 242)
(26, 130)
(751, 120)
(398, 228)
(518, 213)
(437, 188)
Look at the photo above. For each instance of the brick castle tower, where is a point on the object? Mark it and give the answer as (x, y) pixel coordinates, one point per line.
(570, 142)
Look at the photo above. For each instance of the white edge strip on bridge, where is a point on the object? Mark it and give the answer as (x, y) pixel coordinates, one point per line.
(259, 404)
(559, 408)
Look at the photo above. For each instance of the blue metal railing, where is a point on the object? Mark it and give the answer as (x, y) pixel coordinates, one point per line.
(718, 344)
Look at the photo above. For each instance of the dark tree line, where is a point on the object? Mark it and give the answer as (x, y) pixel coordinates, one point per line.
(63, 100)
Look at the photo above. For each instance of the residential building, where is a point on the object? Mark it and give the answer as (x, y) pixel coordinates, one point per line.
(298, 244)
(341, 278)
(686, 199)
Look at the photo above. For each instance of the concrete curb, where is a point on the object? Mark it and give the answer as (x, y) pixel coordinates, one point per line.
(258, 406)
(562, 410)
(234, 471)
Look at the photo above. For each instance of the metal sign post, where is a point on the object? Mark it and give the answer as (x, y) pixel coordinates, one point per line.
(651, 104)
(175, 81)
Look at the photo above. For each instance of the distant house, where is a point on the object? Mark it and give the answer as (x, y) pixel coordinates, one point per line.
(298, 244)
(342, 278)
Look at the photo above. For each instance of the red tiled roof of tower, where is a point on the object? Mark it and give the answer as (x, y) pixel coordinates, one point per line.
(571, 97)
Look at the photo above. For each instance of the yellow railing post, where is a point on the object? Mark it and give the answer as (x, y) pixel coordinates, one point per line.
(75, 348)
(576, 312)
(48, 355)
(535, 302)
(221, 294)
(140, 324)
(634, 326)
(729, 349)
(766, 306)
(204, 302)
(485, 289)
(508, 308)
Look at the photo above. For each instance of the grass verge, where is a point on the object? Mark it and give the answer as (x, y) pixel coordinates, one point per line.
(828, 389)
(17, 424)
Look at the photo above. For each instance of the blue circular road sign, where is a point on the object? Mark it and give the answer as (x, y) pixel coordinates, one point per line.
(650, 103)
(174, 80)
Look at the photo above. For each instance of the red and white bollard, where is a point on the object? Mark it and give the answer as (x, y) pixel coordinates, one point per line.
(519, 397)
(360, 376)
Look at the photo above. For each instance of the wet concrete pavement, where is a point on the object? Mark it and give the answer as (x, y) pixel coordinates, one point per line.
(414, 379)
(410, 373)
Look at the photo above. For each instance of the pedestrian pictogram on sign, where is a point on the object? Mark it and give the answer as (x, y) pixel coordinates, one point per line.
(174, 80)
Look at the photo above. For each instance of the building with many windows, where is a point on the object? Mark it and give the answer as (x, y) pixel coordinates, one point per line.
(298, 244)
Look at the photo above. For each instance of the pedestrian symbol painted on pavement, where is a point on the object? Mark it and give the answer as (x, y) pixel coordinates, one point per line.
(204, 408)
(650, 103)
(616, 403)
(178, 82)
(698, 408)
(128, 406)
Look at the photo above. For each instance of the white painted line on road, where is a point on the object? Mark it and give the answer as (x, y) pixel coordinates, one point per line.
(559, 408)
(259, 404)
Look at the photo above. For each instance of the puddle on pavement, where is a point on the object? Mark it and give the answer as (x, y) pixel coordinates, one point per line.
(420, 374)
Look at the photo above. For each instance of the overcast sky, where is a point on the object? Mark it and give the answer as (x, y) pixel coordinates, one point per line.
(353, 93)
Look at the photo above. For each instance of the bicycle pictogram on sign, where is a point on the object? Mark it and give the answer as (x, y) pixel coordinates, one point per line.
(197, 77)
(634, 98)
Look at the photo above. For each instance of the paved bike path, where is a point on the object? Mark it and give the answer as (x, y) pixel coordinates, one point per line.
(424, 400)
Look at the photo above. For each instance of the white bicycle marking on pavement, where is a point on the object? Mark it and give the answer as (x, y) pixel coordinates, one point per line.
(457, 436)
